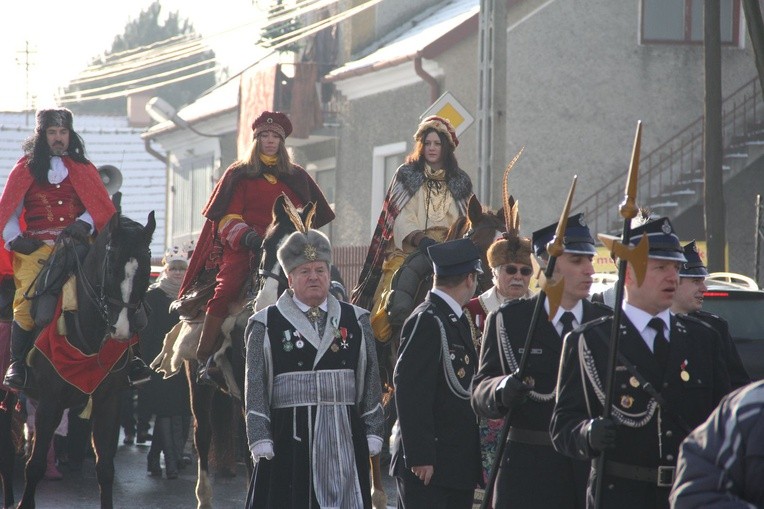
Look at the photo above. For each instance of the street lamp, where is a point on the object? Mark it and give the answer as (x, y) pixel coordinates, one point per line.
(162, 111)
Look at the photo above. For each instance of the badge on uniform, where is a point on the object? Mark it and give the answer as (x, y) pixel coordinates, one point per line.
(683, 373)
(627, 401)
(461, 373)
(634, 382)
(286, 343)
(529, 381)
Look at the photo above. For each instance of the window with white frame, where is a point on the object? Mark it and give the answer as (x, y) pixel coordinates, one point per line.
(324, 173)
(681, 22)
(385, 160)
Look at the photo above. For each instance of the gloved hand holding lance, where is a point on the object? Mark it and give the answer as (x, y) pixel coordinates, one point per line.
(553, 293)
(637, 256)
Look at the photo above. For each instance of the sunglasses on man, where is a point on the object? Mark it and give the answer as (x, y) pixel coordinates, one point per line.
(512, 270)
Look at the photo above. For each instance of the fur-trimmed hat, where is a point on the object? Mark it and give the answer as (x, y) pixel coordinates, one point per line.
(272, 121)
(300, 248)
(440, 124)
(509, 249)
(55, 117)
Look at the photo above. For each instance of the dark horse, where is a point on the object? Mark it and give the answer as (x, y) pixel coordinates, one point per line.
(212, 407)
(411, 283)
(111, 283)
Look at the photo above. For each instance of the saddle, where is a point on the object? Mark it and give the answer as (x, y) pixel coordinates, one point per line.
(407, 283)
(191, 304)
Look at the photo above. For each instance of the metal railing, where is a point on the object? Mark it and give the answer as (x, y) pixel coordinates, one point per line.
(676, 166)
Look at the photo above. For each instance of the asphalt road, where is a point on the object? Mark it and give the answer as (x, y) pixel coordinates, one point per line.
(134, 488)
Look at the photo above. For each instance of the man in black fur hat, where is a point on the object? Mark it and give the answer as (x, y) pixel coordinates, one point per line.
(53, 192)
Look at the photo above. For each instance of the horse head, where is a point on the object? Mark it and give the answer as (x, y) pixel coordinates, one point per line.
(118, 268)
(482, 227)
(286, 219)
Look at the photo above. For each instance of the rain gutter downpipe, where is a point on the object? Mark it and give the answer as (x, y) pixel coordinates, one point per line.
(428, 78)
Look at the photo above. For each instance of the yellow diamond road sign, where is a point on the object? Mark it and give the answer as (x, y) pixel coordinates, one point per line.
(449, 108)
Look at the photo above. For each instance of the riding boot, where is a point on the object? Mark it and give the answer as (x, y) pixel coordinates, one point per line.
(209, 343)
(21, 342)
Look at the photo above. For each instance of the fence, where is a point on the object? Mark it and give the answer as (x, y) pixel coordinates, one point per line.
(349, 260)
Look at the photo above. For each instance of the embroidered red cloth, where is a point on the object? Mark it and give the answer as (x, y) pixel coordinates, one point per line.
(84, 371)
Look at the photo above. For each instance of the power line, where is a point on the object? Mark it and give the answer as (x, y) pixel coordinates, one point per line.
(284, 41)
(124, 84)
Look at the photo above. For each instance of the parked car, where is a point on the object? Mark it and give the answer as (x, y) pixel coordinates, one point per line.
(737, 299)
(740, 301)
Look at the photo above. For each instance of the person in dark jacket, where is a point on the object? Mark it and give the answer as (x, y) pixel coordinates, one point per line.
(721, 462)
(436, 446)
(688, 299)
(168, 399)
(675, 354)
(532, 474)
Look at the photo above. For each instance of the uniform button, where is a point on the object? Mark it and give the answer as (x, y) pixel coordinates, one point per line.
(299, 363)
(61, 219)
(60, 202)
(343, 362)
(669, 433)
(58, 186)
(670, 457)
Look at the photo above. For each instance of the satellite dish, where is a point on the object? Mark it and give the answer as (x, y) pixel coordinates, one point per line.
(111, 178)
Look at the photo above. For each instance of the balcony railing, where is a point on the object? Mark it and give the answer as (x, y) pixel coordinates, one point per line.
(676, 166)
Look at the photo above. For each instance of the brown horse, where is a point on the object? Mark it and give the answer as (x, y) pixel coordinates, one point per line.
(411, 284)
(214, 408)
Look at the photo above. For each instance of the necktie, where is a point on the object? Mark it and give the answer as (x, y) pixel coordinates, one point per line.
(314, 314)
(567, 322)
(660, 345)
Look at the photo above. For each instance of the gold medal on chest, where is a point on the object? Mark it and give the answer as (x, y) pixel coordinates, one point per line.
(685, 376)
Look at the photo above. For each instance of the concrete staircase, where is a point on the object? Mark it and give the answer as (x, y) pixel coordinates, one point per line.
(671, 176)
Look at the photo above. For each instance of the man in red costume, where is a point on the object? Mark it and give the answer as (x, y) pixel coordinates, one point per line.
(238, 213)
(52, 191)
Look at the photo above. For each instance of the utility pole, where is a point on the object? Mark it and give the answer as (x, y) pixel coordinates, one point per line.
(713, 191)
(755, 23)
(492, 94)
(27, 65)
(758, 234)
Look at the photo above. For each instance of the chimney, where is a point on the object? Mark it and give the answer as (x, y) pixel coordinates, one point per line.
(136, 108)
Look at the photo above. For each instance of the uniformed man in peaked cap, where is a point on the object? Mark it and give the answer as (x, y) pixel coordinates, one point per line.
(689, 299)
(668, 379)
(532, 473)
(313, 396)
(436, 446)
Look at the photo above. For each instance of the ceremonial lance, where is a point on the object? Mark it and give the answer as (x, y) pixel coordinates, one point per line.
(637, 256)
(553, 293)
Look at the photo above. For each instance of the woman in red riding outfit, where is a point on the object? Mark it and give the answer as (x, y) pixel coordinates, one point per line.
(238, 213)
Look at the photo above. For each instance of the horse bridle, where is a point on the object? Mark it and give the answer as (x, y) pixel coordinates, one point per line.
(99, 297)
(471, 231)
(268, 274)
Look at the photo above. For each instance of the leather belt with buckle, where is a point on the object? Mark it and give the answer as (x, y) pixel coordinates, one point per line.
(662, 476)
(530, 436)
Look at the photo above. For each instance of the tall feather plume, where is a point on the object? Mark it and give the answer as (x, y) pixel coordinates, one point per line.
(511, 216)
(294, 215)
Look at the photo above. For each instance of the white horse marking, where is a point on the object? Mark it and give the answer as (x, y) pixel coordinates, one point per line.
(122, 327)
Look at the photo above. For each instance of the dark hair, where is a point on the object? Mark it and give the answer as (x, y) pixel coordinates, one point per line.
(416, 157)
(38, 153)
